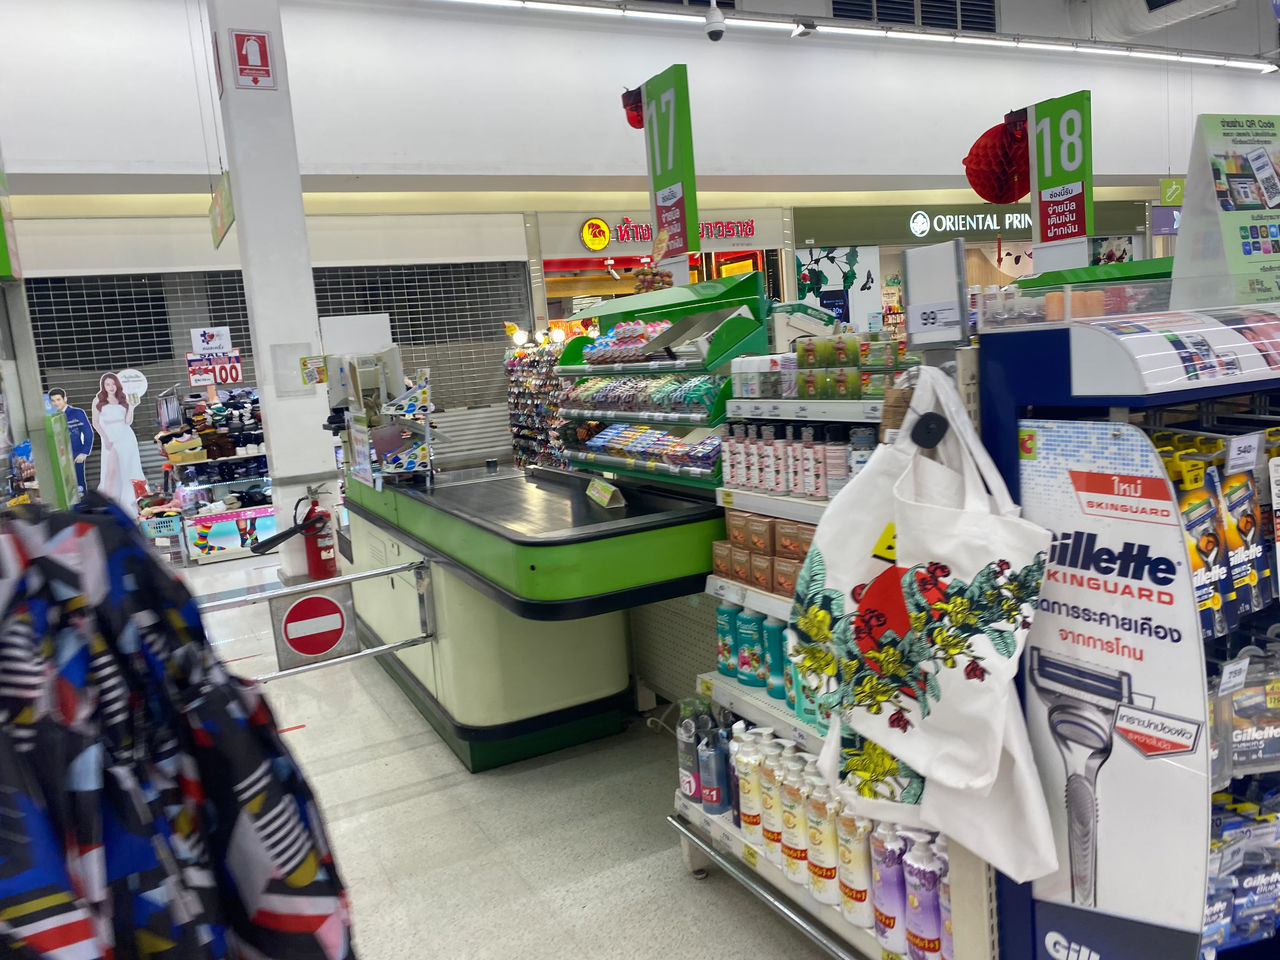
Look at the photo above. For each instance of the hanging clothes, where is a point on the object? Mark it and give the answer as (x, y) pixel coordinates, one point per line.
(148, 808)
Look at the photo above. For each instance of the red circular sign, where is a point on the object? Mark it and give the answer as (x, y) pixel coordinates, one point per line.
(314, 625)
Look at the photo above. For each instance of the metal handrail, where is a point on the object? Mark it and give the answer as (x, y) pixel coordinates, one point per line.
(244, 601)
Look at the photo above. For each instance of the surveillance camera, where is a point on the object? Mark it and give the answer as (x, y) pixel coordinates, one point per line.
(715, 25)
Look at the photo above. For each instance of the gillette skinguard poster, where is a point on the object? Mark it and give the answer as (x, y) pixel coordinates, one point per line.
(1115, 681)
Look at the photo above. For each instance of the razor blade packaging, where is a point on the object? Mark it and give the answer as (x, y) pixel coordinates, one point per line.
(912, 610)
(1115, 689)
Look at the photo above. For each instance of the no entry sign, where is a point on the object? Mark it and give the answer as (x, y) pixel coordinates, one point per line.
(251, 56)
(315, 626)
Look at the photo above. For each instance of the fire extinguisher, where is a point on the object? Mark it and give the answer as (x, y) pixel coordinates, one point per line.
(316, 529)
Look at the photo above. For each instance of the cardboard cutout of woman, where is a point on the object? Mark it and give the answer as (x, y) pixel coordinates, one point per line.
(121, 462)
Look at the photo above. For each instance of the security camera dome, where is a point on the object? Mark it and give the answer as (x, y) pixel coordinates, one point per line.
(715, 25)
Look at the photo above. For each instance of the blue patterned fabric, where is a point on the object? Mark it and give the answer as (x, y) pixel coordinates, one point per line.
(148, 808)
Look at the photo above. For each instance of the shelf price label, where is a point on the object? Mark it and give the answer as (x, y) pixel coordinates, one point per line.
(1242, 453)
(1233, 676)
(750, 856)
(705, 687)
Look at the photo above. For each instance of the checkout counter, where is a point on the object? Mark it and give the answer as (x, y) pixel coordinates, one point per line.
(531, 580)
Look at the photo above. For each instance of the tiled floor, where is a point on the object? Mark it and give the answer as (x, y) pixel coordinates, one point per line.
(565, 855)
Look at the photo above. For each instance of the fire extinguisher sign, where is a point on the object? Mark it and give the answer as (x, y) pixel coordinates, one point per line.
(253, 60)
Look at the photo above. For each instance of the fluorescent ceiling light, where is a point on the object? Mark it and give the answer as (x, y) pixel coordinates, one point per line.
(1055, 47)
(1207, 61)
(572, 8)
(852, 31)
(1152, 55)
(656, 15)
(761, 24)
(910, 35)
(490, 3)
(1105, 51)
(986, 41)
(1250, 65)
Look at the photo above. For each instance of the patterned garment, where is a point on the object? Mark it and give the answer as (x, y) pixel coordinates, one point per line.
(148, 808)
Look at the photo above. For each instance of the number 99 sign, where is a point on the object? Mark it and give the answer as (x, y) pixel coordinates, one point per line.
(209, 370)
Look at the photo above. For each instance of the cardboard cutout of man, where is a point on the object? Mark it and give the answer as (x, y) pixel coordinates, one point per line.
(80, 429)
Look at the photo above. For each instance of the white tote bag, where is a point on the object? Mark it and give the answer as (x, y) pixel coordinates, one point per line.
(912, 609)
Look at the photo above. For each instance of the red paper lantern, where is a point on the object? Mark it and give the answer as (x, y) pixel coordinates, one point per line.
(998, 167)
(634, 105)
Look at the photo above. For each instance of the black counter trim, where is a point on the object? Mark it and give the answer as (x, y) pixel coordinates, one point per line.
(550, 610)
(502, 731)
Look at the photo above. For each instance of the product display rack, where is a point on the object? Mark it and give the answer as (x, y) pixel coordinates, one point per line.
(801, 509)
(770, 604)
(1119, 368)
(531, 404)
(834, 411)
(726, 316)
(717, 840)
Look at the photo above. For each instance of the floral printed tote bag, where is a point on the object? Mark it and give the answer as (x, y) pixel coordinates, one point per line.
(911, 612)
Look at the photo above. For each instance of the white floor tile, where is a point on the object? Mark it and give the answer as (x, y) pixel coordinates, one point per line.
(563, 855)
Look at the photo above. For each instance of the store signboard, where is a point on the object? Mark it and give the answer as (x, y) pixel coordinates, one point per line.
(211, 340)
(1060, 137)
(215, 369)
(1165, 220)
(222, 212)
(668, 136)
(10, 268)
(1229, 237)
(1172, 190)
(932, 223)
(1115, 696)
(629, 233)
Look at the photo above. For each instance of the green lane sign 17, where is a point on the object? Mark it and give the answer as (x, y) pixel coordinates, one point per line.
(1061, 148)
(668, 135)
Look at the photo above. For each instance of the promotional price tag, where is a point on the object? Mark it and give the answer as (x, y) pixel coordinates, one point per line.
(801, 738)
(726, 498)
(750, 855)
(935, 323)
(802, 412)
(706, 823)
(1233, 676)
(209, 370)
(705, 687)
(1242, 453)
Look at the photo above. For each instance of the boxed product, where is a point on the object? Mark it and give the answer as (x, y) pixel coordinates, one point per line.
(785, 573)
(735, 522)
(740, 560)
(762, 572)
(786, 538)
(807, 530)
(721, 559)
(874, 385)
(760, 535)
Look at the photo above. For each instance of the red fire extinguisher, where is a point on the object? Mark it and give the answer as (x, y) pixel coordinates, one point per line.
(317, 533)
(322, 547)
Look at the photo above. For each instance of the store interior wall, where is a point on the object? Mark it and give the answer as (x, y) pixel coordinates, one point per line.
(360, 72)
(448, 317)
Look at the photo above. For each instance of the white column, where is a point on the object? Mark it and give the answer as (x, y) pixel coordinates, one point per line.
(271, 230)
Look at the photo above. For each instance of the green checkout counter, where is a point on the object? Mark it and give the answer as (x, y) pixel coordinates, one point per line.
(531, 583)
(531, 580)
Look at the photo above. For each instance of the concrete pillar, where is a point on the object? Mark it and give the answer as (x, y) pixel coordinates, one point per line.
(271, 231)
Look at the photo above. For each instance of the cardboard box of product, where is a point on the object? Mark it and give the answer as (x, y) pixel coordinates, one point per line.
(787, 540)
(736, 523)
(762, 572)
(740, 560)
(785, 573)
(760, 535)
(722, 559)
(807, 530)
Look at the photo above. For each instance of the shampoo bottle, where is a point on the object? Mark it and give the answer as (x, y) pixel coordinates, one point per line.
(853, 835)
(940, 850)
(771, 773)
(735, 744)
(775, 647)
(749, 790)
(922, 872)
(824, 850)
(795, 826)
(752, 671)
(888, 887)
(715, 775)
(727, 638)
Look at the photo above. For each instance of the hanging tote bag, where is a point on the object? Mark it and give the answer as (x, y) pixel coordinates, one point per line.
(911, 610)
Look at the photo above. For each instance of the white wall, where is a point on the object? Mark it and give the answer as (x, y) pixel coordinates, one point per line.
(426, 89)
